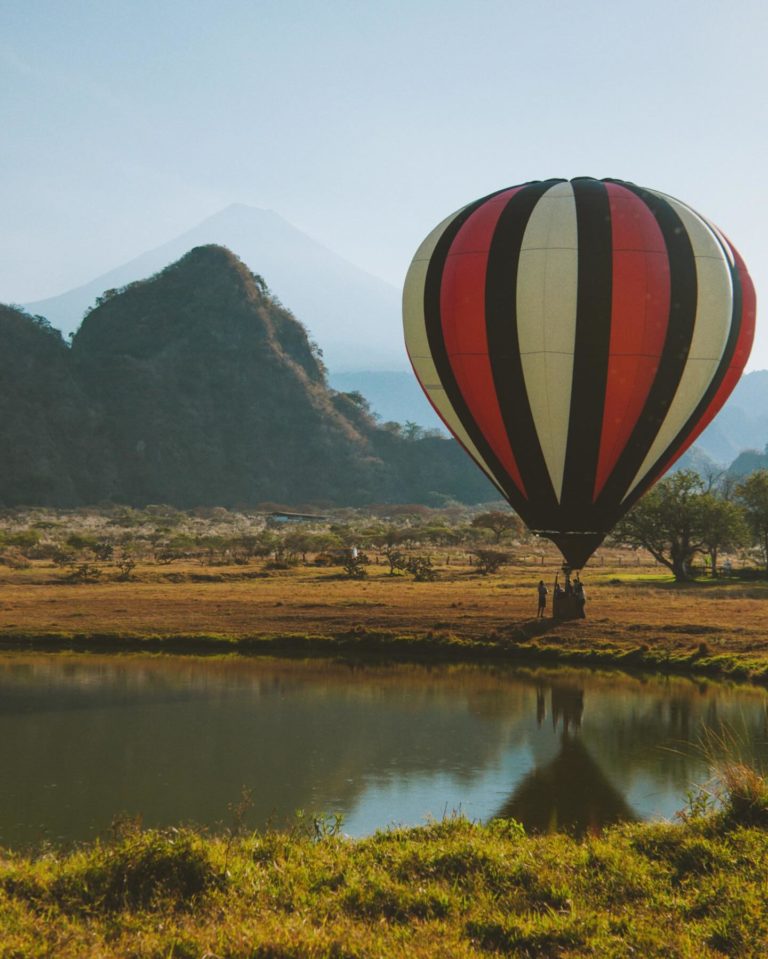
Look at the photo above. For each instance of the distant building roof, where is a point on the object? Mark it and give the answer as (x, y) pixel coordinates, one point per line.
(284, 517)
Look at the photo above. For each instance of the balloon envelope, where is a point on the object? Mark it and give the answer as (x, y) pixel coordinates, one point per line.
(576, 337)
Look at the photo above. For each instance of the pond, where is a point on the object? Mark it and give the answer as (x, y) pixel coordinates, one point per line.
(177, 739)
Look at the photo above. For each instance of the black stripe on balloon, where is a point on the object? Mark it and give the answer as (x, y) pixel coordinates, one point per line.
(591, 350)
(674, 354)
(434, 328)
(504, 353)
(737, 316)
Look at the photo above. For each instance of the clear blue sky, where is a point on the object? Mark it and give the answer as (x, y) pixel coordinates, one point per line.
(363, 123)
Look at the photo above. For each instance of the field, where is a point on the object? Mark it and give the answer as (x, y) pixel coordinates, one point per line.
(635, 612)
(694, 889)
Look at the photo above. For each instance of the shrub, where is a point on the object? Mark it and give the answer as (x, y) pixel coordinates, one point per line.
(25, 539)
(84, 573)
(14, 559)
(354, 565)
(140, 869)
(490, 560)
(420, 567)
(745, 794)
(126, 567)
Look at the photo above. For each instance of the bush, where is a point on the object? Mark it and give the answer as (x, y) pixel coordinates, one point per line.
(24, 539)
(126, 567)
(84, 573)
(14, 559)
(490, 560)
(420, 567)
(354, 566)
(745, 794)
(79, 542)
(141, 869)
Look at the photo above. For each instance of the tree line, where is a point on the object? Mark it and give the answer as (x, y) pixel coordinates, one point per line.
(685, 516)
(82, 543)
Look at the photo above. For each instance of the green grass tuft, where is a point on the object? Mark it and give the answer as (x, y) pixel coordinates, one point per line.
(688, 890)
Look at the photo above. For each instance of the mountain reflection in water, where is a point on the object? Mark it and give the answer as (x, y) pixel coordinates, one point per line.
(176, 739)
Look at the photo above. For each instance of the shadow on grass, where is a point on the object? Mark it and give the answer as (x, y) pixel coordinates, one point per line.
(531, 628)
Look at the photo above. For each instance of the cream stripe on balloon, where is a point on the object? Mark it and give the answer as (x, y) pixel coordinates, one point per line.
(715, 229)
(712, 325)
(546, 320)
(417, 341)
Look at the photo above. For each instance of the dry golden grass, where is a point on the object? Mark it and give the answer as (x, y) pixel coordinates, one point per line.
(628, 606)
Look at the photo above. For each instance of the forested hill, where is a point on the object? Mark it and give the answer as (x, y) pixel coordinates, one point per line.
(196, 387)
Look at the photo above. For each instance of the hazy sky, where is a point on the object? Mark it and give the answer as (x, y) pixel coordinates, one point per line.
(363, 123)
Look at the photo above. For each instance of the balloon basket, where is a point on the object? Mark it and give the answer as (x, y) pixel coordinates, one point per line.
(568, 601)
(567, 607)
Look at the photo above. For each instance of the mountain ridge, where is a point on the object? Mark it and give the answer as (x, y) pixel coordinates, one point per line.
(193, 387)
(354, 314)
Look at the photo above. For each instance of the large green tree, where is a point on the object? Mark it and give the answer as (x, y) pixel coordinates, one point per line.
(670, 522)
(753, 494)
(499, 522)
(724, 527)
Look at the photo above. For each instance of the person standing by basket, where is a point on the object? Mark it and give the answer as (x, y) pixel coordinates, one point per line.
(542, 591)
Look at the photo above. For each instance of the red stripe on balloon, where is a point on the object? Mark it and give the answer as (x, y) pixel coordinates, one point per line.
(462, 312)
(735, 367)
(639, 318)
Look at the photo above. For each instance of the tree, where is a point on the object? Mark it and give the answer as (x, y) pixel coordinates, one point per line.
(354, 565)
(382, 538)
(412, 431)
(396, 558)
(490, 560)
(498, 522)
(420, 567)
(724, 527)
(753, 494)
(305, 541)
(356, 397)
(103, 550)
(669, 522)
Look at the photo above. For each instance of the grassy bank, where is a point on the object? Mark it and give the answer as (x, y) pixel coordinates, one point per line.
(693, 889)
(637, 618)
(521, 644)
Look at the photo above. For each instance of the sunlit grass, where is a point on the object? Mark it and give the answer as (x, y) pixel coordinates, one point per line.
(450, 888)
(636, 615)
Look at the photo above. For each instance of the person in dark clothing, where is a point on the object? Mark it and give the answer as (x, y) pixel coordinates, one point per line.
(557, 599)
(580, 595)
(542, 591)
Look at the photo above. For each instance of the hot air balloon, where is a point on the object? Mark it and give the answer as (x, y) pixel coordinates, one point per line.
(576, 336)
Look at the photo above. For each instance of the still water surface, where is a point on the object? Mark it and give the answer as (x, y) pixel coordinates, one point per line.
(176, 740)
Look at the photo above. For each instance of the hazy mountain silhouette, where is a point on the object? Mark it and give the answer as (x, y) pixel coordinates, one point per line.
(741, 425)
(196, 387)
(393, 396)
(354, 316)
